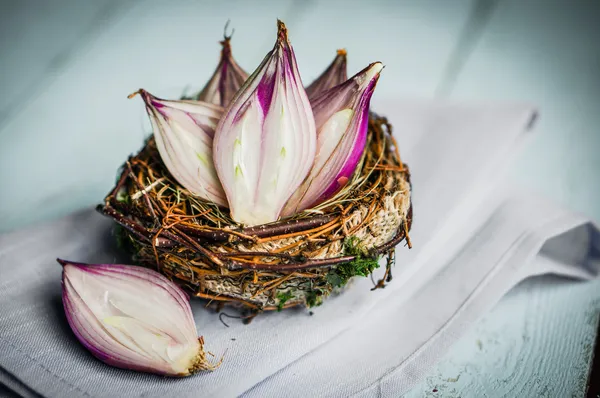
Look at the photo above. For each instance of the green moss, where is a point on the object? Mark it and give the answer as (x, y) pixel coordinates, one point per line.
(363, 265)
(352, 247)
(339, 276)
(120, 237)
(122, 196)
(125, 243)
(314, 298)
(283, 298)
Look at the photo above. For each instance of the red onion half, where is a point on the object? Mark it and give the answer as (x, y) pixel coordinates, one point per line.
(132, 317)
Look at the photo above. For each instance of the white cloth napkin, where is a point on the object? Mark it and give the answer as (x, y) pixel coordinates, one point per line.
(472, 242)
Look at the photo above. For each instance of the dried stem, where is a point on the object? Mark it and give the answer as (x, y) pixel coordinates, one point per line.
(266, 267)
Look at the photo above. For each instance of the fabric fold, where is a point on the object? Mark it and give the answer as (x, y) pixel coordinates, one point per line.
(458, 223)
(395, 345)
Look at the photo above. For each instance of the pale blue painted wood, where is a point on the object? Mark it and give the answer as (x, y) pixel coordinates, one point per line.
(412, 39)
(537, 342)
(60, 150)
(67, 142)
(38, 39)
(546, 52)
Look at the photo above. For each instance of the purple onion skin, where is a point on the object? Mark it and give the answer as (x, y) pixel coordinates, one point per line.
(265, 143)
(69, 309)
(357, 151)
(125, 269)
(226, 80)
(130, 271)
(328, 178)
(335, 74)
(184, 130)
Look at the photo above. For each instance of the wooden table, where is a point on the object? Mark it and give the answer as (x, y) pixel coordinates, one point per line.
(537, 342)
(68, 65)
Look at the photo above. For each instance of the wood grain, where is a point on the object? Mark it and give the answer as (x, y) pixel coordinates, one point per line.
(594, 378)
(537, 342)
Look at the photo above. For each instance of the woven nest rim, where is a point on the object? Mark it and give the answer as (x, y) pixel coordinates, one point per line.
(150, 223)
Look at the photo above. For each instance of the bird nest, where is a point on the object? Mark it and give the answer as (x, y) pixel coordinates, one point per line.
(295, 261)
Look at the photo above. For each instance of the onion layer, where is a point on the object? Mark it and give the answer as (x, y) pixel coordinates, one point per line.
(265, 143)
(184, 133)
(335, 74)
(342, 116)
(226, 80)
(132, 317)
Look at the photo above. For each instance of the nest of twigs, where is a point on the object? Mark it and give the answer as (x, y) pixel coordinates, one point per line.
(295, 261)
